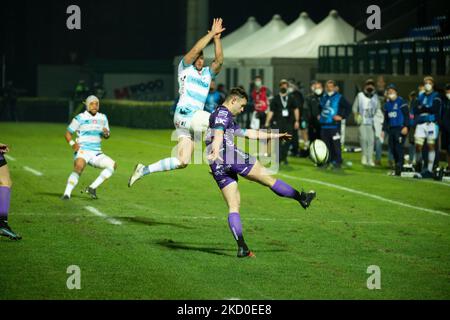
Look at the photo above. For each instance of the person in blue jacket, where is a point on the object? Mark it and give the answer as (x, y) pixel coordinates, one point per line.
(333, 109)
(396, 125)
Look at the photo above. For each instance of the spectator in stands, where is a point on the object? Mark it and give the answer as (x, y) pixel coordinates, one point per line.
(396, 125)
(365, 106)
(9, 95)
(222, 90)
(81, 91)
(213, 99)
(446, 125)
(284, 115)
(427, 114)
(311, 111)
(379, 120)
(333, 108)
(295, 93)
(260, 98)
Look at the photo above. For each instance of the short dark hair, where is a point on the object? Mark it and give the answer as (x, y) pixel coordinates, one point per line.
(237, 92)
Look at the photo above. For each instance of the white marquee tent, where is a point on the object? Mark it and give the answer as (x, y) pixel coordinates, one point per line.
(247, 29)
(257, 40)
(295, 30)
(332, 30)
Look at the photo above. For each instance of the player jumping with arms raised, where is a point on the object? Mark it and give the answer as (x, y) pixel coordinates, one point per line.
(194, 80)
(91, 126)
(227, 162)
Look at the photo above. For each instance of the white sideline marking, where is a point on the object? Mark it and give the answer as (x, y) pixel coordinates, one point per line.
(35, 172)
(102, 215)
(369, 195)
(8, 157)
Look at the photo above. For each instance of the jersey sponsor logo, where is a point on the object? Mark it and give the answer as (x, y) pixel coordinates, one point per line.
(220, 121)
(223, 113)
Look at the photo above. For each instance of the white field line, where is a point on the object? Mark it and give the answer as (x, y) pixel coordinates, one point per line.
(8, 157)
(366, 194)
(35, 172)
(102, 215)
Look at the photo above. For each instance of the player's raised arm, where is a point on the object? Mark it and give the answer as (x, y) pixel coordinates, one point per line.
(216, 65)
(216, 29)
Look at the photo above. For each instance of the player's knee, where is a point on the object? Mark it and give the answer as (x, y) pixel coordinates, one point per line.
(5, 182)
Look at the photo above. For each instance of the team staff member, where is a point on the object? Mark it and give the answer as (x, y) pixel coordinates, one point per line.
(333, 108)
(284, 115)
(396, 123)
(426, 117)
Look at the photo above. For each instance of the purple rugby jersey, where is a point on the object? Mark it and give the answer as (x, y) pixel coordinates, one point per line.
(235, 161)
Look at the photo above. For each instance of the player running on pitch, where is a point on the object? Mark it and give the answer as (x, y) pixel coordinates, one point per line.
(227, 162)
(91, 126)
(194, 80)
(5, 196)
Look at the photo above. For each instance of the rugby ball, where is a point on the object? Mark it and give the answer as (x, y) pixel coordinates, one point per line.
(200, 121)
(318, 152)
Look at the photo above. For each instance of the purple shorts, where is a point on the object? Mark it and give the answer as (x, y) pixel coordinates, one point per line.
(227, 172)
(2, 160)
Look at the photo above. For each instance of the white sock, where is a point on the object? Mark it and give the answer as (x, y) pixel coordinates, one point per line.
(71, 183)
(162, 165)
(431, 157)
(105, 174)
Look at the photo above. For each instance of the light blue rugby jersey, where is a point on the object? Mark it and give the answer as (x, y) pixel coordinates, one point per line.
(194, 88)
(89, 130)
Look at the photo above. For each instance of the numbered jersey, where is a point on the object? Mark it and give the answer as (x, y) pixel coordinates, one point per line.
(194, 88)
(89, 130)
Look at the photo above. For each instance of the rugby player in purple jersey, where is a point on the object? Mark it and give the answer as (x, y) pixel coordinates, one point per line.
(227, 162)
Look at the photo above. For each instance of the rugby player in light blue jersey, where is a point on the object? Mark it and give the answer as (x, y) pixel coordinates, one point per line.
(91, 126)
(194, 79)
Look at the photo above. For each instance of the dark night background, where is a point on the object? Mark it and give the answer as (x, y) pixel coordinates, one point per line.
(34, 32)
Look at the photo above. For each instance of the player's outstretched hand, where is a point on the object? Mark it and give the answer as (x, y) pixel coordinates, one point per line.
(285, 136)
(4, 148)
(105, 133)
(217, 27)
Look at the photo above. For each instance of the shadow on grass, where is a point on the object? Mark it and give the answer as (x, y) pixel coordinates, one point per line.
(173, 245)
(151, 222)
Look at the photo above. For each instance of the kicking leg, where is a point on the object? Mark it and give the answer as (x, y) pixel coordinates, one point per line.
(185, 148)
(5, 199)
(79, 166)
(259, 174)
(232, 198)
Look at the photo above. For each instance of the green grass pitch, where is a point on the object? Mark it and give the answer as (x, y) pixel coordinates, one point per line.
(174, 241)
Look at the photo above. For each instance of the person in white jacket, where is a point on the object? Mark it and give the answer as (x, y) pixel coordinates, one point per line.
(365, 108)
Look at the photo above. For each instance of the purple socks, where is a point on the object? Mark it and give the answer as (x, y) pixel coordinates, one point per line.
(234, 222)
(282, 189)
(5, 196)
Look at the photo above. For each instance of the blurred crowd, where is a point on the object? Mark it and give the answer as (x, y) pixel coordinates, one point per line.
(415, 128)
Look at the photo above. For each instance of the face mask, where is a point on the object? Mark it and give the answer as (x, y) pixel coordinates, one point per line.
(318, 91)
(290, 90)
(330, 93)
(448, 96)
(258, 83)
(392, 97)
(283, 90)
(428, 87)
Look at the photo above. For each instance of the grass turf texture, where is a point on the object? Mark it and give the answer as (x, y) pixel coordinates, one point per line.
(174, 241)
